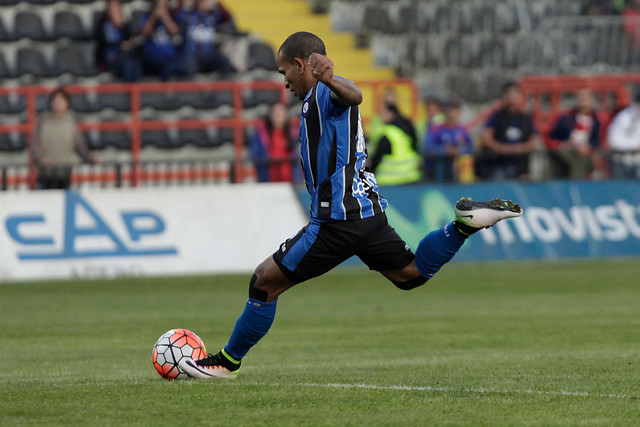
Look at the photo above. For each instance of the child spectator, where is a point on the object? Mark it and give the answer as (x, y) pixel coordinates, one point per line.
(444, 144)
(116, 51)
(435, 116)
(574, 139)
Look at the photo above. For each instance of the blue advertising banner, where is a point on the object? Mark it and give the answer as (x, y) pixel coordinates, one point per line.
(561, 219)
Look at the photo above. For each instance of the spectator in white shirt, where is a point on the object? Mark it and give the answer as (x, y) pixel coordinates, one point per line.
(624, 142)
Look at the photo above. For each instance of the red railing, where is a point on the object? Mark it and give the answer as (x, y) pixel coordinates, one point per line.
(135, 125)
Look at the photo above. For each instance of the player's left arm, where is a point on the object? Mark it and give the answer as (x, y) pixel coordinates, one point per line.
(342, 90)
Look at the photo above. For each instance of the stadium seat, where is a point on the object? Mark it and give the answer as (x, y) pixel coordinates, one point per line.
(83, 103)
(162, 101)
(41, 2)
(32, 62)
(466, 19)
(158, 138)
(5, 34)
(72, 59)
(93, 140)
(506, 20)
(376, 19)
(426, 17)
(197, 137)
(225, 136)
(116, 101)
(12, 104)
(120, 140)
(253, 98)
(29, 25)
(471, 51)
(207, 100)
(408, 18)
(261, 56)
(433, 53)
(510, 52)
(214, 137)
(5, 71)
(12, 141)
(208, 137)
(68, 24)
(451, 53)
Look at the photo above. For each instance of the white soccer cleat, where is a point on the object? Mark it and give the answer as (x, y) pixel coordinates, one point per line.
(485, 214)
(212, 366)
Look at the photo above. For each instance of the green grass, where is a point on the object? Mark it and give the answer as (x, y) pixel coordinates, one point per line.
(494, 344)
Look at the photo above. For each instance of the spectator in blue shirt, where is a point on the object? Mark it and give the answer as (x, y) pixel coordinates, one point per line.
(201, 48)
(444, 144)
(162, 33)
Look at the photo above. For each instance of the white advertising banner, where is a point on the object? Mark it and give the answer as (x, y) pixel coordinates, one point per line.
(145, 231)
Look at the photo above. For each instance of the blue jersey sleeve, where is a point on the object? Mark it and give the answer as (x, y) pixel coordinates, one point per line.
(327, 105)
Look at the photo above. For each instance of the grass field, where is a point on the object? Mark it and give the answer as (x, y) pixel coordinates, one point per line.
(494, 344)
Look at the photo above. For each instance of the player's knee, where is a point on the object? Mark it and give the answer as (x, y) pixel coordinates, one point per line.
(407, 285)
(254, 292)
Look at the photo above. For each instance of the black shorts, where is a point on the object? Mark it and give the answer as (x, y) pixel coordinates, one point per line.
(321, 246)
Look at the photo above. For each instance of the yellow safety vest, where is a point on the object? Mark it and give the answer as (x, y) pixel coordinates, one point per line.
(402, 166)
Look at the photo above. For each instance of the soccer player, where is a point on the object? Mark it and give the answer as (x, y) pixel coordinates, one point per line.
(347, 213)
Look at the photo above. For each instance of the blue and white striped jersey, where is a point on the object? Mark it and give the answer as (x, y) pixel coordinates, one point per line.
(333, 158)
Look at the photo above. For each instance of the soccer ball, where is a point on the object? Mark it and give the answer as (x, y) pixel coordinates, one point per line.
(171, 348)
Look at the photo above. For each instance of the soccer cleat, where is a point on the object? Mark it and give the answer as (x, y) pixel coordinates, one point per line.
(219, 365)
(485, 214)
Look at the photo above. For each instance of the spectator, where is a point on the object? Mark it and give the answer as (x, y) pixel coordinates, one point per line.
(394, 160)
(390, 98)
(273, 147)
(444, 144)
(162, 33)
(116, 52)
(56, 139)
(601, 7)
(201, 48)
(624, 142)
(435, 116)
(574, 139)
(508, 139)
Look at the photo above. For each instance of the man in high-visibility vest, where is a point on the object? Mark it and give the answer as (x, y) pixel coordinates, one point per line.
(395, 161)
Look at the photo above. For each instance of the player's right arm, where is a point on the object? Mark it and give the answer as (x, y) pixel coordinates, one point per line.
(342, 90)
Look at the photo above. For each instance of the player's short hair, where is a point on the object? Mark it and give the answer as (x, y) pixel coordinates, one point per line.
(301, 45)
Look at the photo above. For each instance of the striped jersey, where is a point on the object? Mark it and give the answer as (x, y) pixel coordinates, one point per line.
(333, 156)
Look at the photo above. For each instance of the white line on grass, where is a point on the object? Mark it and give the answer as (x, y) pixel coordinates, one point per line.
(452, 389)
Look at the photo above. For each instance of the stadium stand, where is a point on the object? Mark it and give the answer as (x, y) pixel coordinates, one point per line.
(466, 49)
(511, 38)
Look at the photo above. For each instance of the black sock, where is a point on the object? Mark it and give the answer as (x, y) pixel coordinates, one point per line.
(464, 229)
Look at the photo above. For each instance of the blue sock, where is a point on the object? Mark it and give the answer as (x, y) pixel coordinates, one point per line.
(437, 248)
(253, 324)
